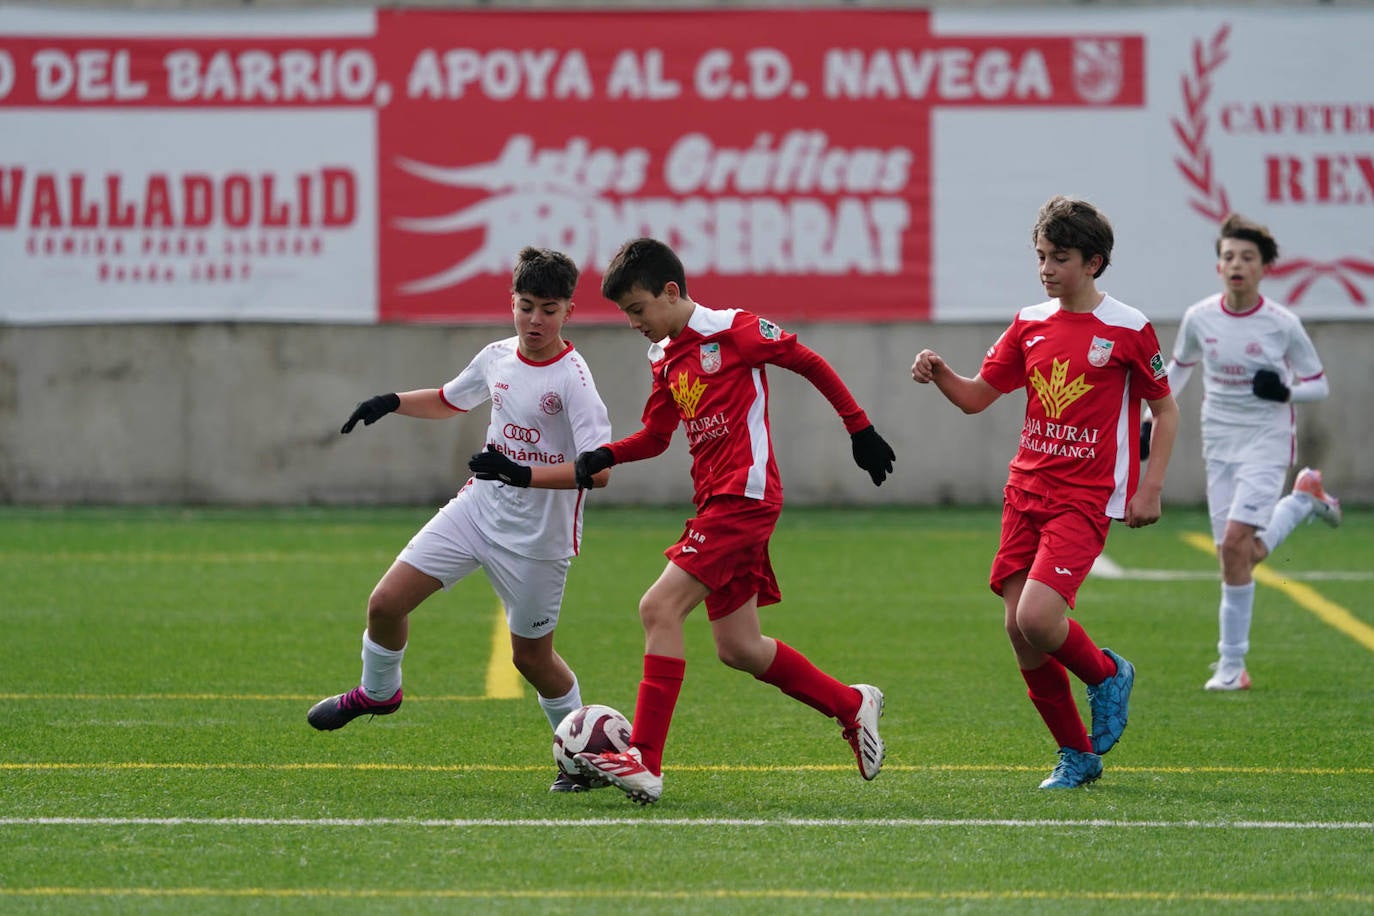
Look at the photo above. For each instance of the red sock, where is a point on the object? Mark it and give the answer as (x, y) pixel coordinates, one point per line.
(1053, 699)
(1082, 656)
(654, 707)
(793, 674)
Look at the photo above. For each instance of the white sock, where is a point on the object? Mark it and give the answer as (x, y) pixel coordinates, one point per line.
(1291, 510)
(381, 669)
(1237, 607)
(557, 709)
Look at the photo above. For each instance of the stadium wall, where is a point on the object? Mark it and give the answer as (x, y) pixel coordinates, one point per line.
(244, 414)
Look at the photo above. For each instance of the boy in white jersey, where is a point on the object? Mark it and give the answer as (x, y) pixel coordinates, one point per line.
(519, 517)
(708, 377)
(1257, 361)
(1085, 360)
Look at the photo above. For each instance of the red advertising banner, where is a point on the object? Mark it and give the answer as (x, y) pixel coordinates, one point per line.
(784, 154)
(389, 165)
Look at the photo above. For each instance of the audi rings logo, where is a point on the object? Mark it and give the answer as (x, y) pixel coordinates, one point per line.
(521, 434)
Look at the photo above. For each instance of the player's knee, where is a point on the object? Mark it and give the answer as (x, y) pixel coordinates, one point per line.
(739, 657)
(1039, 630)
(653, 614)
(1237, 551)
(385, 604)
(532, 659)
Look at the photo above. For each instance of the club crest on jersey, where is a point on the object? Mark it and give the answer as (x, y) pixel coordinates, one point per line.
(768, 330)
(496, 400)
(551, 403)
(710, 358)
(1100, 352)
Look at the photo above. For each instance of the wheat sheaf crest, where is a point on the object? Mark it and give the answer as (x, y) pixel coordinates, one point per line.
(687, 393)
(1058, 393)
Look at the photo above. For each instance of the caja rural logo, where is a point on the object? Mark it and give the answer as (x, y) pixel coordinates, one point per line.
(1321, 179)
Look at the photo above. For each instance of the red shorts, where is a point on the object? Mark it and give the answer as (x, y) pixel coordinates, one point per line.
(726, 548)
(1056, 541)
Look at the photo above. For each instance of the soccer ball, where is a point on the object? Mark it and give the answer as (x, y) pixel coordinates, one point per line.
(592, 729)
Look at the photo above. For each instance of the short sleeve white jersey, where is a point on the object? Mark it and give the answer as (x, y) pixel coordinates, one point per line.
(541, 414)
(1237, 426)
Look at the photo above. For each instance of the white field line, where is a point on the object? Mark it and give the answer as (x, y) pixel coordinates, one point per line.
(540, 823)
(1105, 567)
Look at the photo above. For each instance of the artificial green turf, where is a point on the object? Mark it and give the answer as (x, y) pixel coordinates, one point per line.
(158, 664)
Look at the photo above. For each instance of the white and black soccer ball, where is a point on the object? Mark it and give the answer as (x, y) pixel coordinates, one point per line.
(591, 729)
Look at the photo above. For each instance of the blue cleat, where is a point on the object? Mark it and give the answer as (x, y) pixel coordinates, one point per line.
(1074, 769)
(1108, 701)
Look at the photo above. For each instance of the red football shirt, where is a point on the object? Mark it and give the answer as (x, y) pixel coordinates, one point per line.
(1085, 375)
(711, 380)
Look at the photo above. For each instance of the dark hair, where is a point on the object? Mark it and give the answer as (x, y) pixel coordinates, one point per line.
(646, 263)
(545, 273)
(1236, 226)
(1066, 222)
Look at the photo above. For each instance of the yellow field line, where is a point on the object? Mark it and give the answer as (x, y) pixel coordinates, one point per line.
(126, 765)
(690, 894)
(503, 681)
(225, 697)
(1306, 597)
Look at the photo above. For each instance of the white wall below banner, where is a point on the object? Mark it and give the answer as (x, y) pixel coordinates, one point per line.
(248, 414)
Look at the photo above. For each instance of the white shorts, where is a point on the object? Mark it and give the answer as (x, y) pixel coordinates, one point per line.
(1242, 492)
(451, 546)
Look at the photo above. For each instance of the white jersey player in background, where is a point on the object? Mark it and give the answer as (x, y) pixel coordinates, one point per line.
(519, 517)
(1257, 362)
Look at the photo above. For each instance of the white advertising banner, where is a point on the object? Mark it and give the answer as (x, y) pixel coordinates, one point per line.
(1269, 113)
(819, 165)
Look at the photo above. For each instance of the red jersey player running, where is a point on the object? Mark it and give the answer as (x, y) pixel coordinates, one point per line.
(1085, 360)
(708, 375)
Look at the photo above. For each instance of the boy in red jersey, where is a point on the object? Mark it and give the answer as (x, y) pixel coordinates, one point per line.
(708, 375)
(1086, 361)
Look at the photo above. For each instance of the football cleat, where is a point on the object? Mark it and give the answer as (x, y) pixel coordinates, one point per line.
(1326, 507)
(337, 711)
(574, 782)
(1228, 677)
(1108, 701)
(626, 771)
(863, 735)
(1074, 769)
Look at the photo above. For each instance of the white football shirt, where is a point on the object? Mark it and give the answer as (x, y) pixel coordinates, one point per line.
(1232, 347)
(541, 414)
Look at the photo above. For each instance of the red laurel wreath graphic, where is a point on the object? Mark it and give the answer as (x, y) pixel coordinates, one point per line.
(1192, 130)
(1209, 195)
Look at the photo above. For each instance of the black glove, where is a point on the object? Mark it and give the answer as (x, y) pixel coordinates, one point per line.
(873, 454)
(589, 464)
(493, 465)
(1146, 429)
(1269, 387)
(372, 410)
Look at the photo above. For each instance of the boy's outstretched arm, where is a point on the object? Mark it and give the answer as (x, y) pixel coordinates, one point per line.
(871, 451)
(425, 403)
(971, 395)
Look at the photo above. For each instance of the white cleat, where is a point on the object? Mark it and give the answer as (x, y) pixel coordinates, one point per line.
(1327, 507)
(626, 771)
(1228, 677)
(863, 735)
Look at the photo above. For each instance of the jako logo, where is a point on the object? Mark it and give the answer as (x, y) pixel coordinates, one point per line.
(520, 433)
